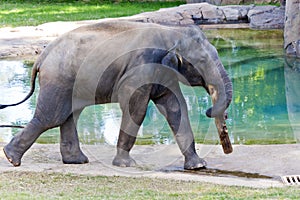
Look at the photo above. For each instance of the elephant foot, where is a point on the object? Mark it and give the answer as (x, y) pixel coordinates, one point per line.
(75, 159)
(194, 162)
(123, 159)
(124, 162)
(13, 157)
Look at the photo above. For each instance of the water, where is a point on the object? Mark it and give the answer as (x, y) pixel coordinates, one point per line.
(265, 107)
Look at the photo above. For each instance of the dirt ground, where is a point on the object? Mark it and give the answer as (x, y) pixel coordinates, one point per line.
(255, 165)
(28, 41)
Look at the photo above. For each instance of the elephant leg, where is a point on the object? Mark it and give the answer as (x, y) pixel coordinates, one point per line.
(134, 112)
(69, 142)
(51, 111)
(21, 142)
(173, 107)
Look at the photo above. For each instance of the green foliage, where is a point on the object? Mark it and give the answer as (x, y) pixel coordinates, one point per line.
(28, 13)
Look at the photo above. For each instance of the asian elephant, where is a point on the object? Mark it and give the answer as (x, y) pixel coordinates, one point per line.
(129, 63)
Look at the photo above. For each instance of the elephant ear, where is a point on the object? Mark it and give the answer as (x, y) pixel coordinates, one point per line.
(172, 59)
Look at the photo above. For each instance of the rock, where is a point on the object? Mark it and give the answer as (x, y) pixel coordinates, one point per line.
(182, 15)
(244, 10)
(293, 50)
(259, 10)
(266, 1)
(190, 14)
(212, 14)
(234, 2)
(266, 18)
(214, 2)
(292, 29)
(231, 14)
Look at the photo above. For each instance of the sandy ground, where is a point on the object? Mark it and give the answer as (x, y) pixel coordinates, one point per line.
(247, 165)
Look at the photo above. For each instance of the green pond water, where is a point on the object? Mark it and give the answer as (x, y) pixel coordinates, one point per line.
(265, 108)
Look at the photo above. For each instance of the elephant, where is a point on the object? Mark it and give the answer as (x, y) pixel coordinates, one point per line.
(129, 63)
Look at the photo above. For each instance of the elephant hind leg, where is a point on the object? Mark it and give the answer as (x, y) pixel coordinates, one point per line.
(69, 142)
(51, 111)
(21, 142)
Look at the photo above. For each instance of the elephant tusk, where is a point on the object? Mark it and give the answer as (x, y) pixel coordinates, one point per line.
(179, 58)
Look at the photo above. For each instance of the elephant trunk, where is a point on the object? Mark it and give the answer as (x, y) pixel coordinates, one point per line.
(220, 91)
(221, 94)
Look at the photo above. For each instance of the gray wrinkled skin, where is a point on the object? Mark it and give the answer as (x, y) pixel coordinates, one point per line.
(130, 63)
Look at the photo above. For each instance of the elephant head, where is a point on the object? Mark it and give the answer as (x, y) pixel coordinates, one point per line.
(201, 66)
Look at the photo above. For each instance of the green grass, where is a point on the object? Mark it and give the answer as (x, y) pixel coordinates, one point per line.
(30, 185)
(26, 13)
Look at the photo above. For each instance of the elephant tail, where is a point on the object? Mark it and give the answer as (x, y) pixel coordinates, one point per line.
(11, 126)
(34, 72)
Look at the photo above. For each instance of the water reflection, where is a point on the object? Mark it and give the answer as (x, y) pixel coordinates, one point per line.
(265, 107)
(292, 83)
(256, 64)
(14, 80)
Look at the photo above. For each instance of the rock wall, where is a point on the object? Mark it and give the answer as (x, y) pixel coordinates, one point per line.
(235, 2)
(258, 17)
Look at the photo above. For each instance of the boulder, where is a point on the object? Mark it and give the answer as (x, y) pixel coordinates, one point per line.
(236, 13)
(266, 17)
(292, 29)
(212, 13)
(256, 10)
(231, 14)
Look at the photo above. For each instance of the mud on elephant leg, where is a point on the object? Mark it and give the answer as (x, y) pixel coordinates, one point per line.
(134, 112)
(21, 142)
(69, 142)
(174, 108)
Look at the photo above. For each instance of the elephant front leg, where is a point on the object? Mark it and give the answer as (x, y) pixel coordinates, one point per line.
(125, 144)
(69, 142)
(134, 112)
(173, 107)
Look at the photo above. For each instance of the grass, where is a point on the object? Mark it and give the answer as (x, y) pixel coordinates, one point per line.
(31, 185)
(31, 13)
